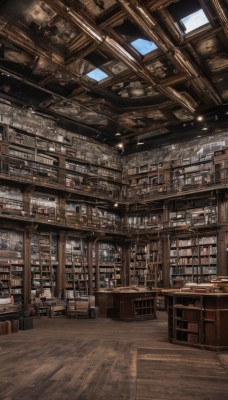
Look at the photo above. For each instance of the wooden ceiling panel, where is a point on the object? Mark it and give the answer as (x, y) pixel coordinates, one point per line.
(52, 45)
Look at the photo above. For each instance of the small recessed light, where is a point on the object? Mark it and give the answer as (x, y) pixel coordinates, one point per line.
(200, 118)
(118, 133)
(116, 205)
(120, 145)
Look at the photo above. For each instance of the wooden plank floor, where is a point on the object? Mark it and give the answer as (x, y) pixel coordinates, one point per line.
(102, 359)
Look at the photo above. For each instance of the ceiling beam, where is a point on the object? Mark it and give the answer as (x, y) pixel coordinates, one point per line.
(115, 49)
(222, 14)
(149, 25)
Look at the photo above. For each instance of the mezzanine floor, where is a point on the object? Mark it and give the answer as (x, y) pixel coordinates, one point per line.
(102, 359)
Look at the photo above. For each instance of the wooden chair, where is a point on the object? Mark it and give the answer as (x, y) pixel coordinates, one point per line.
(82, 308)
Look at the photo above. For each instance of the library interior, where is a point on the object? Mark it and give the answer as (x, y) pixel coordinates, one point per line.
(114, 199)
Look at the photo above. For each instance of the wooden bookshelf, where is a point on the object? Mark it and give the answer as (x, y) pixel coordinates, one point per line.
(198, 319)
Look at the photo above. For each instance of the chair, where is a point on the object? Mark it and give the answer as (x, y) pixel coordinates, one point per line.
(71, 311)
(82, 308)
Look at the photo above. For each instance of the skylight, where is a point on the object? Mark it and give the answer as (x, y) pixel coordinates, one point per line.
(143, 46)
(194, 21)
(97, 75)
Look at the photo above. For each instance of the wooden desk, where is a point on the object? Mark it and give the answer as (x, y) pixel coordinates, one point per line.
(135, 305)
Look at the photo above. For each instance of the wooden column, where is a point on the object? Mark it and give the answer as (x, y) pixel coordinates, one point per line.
(165, 262)
(27, 266)
(125, 270)
(61, 217)
(97, 270)
(222, 240)
(165, 250)
(62, 171)
(90, 266)
(27, 194)
(222, 253)
(60, 284)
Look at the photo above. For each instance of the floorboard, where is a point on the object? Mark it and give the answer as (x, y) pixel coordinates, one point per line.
(102, 359)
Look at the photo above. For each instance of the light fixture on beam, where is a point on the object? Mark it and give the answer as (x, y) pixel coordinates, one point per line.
(204, 128)
(200, 118)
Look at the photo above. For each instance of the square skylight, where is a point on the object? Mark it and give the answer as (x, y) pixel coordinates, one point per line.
(143, 46)
(194, 21)
(97, 75)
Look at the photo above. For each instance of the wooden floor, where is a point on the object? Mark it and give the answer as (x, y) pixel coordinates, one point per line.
(102, 359)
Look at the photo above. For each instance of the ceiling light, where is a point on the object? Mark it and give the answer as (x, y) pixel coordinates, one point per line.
(200, 118)
(118, 134)
(120, 145)
(140, 142)
(116, 204)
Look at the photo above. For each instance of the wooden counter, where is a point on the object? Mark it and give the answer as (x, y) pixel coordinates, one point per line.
(198, 319)
(135, 305)
(127, 305)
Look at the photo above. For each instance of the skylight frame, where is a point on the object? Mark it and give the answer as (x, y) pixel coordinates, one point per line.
(97, 75)
(191, 22)
(140, 44)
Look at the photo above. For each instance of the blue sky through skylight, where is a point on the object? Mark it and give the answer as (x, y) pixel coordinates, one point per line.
(194, 21)
(143, 46)
(97, 75)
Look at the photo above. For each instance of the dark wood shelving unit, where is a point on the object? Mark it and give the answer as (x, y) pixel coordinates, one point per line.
(134, 306)
(198, 319)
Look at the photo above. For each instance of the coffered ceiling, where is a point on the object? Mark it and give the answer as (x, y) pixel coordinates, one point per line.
(140, 72)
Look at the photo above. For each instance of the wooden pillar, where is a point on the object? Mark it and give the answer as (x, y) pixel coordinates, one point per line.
(27, 266)
(97, 270)
(61, 213)
(27, 194)
(165, 263)
(90, 266)
(222, 253)
(60, 284)
(62, 171)
(222, 240)
(125, 270)
(165, 244)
